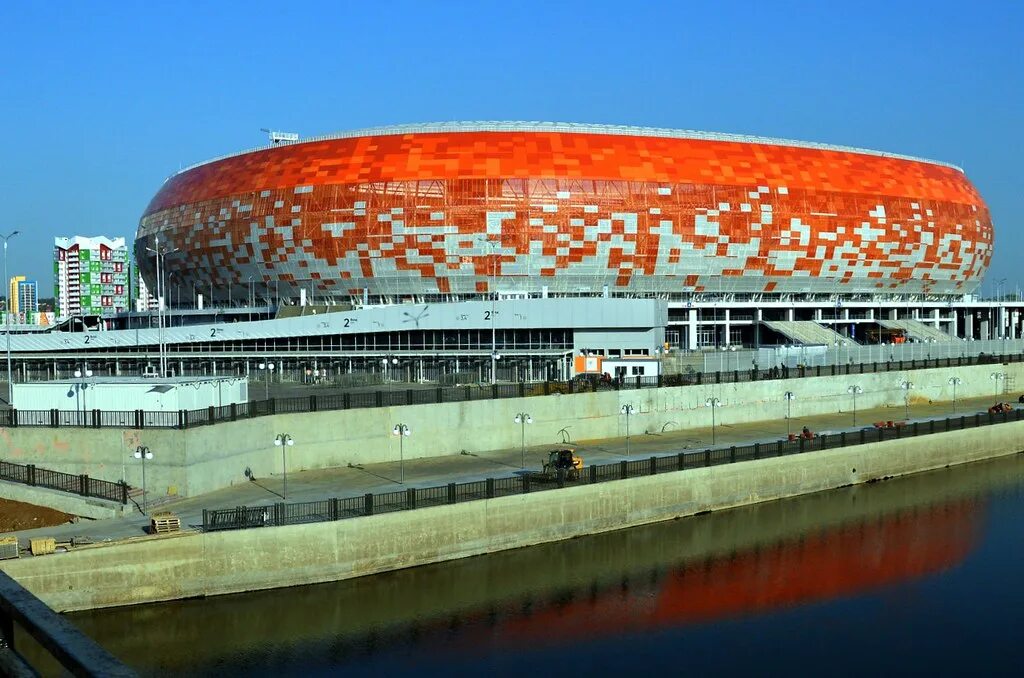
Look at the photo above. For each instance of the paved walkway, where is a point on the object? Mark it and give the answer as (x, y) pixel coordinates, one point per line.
(385, 477)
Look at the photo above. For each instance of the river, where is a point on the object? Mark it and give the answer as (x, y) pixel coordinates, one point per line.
(912, 575)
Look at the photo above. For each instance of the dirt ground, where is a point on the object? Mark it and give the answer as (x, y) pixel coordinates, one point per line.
(14, 515)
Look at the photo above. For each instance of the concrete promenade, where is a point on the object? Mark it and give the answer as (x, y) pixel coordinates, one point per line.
(426, 472)
(203, 459)
(200, 564)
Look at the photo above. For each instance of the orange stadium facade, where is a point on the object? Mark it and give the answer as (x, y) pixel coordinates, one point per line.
(461, 210)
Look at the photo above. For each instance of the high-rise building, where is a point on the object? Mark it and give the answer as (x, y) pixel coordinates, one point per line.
(90, 276)
(13, 304)
(145, 300)
(24, 295)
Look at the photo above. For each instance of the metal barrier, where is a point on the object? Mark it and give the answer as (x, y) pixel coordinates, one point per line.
(454, 493)
(183, 419)
(83, 485)
(77, 653)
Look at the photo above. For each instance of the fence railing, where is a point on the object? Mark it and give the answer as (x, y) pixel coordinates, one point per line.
(83, 485)
(183, 419)
(79, 654)
(242, 517)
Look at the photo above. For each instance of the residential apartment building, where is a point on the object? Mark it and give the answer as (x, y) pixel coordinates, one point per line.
(90, 276)
(145, 300)
(24, 295)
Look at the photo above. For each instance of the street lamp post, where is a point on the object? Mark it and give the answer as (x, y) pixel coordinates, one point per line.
(7, 321)
(523, 419)
(142, 452)
(83, 373)
(284, 440)
(789, 396)
(402, 431)
(267, 368)
(627, 410)
(386, 362)
(954, 382)
(906, 386)
(854, 391)
(713, 403)
(997, 377)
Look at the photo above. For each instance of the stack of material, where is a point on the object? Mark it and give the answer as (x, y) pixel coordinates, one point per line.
(9, 548)
(164, 523)
(42, 546)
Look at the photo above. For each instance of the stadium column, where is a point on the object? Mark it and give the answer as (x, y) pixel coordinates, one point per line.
(728, 328)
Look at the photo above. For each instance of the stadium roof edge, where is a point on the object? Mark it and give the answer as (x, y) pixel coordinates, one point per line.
(567, 127)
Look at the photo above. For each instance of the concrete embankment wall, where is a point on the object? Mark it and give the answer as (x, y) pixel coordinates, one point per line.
(72, 504)
(152, 569)
(207, 458)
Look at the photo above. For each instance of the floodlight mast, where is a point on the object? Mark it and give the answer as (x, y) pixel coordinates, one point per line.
(277, 137)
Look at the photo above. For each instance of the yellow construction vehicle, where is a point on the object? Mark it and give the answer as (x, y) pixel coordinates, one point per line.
(563, 461)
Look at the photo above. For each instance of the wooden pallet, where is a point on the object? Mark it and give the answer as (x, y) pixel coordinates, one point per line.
(165, 523)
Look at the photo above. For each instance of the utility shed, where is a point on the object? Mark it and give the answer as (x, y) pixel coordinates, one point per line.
(632, 366)
(127, 394)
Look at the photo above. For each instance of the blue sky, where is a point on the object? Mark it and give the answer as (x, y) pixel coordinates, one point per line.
(101, 101)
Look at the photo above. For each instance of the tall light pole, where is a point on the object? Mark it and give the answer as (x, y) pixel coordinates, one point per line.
(713, 403)
(854, 391)
(161, 291)
(402, 431)
(789, 396)
(7, 321)
(954, 382)
(523, 419)
(284, 440)
(997, 377)
(906, 386)
(493, 293)
(142, 452)
(267, 368)
(627, 410)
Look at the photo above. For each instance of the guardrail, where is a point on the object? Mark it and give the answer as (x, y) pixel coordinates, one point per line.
(83, 485)
(183, 419)
(243, 517)
(77, 653)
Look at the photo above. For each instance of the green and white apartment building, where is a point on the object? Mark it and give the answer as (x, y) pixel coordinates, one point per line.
(91, 276)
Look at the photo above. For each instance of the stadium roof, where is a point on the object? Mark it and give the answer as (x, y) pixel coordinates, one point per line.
(571, 128)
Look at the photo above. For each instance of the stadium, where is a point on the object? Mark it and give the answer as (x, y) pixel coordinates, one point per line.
(506, 251)
(458, 211)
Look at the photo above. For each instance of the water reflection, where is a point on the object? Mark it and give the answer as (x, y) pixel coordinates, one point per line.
(727, 565)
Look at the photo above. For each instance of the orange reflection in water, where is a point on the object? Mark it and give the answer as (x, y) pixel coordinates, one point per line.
(845, 561)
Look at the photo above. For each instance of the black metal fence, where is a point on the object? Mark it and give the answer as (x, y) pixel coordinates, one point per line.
(183, 419)
(243, 517)
(83, 485)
